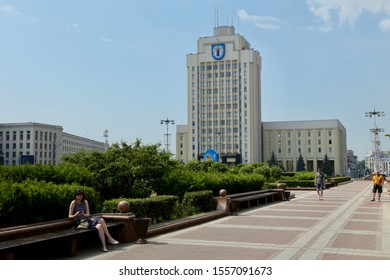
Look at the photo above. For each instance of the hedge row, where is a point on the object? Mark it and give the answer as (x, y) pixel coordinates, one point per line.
(198, 202)
(65, 173)
(181, 181)
(33, 201)
(165, 207)
(291, 183)
(157, 208)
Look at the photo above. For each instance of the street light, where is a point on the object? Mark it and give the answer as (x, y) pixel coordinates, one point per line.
(105, 135)
(376, 141)
(167, 122)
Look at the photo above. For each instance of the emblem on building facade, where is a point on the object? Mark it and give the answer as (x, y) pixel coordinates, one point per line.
(218, 51)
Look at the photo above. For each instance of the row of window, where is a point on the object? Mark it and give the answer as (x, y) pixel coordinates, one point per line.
(218, 90)
(41, 135)
(226, 148)
(221, 65)
(215, 75)
(227, 106)
(7, 146)
(299, 134)
(299, 142)
(41, 154)
(299, 150)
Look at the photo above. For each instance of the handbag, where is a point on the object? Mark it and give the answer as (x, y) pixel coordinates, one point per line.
(84, 224)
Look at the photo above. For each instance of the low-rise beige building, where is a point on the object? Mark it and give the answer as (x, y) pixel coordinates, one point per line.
(313, 139)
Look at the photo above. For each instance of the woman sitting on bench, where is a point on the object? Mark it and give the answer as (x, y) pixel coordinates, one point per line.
(79, 209)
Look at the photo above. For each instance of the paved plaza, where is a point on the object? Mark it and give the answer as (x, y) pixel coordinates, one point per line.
(344, 225)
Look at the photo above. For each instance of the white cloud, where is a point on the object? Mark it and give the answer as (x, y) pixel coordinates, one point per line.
(106, 40)
(263, 22)
(384, 24)
(9, 10)
(346, 11)
(72, 27)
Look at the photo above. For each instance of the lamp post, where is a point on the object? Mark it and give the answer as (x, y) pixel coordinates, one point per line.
(376, 141)
(105, 135)
(167, 122)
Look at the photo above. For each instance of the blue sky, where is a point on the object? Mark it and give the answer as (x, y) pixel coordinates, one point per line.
(91, 65)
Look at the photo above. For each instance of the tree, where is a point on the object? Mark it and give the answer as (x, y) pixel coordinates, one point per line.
(326, 167)
(361, 166)
(126, 170)
(273, 161)
(300, 163)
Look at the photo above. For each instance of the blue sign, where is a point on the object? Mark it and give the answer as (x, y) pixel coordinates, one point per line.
(211, 154)
(218, 51)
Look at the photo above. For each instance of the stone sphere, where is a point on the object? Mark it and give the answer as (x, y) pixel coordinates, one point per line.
(223, 192)
(123, 206)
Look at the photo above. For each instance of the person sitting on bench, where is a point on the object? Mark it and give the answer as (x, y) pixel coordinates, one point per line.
(79, 209)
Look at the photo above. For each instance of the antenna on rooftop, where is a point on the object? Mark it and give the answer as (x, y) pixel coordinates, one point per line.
(216, 17)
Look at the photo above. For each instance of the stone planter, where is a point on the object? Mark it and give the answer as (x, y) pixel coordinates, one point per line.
(141, 228)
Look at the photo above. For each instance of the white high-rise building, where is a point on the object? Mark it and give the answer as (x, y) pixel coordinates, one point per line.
(224, 99)
(224, 113)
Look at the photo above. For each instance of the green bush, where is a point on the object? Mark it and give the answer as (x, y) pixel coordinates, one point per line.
(65, 173)
(182, 180)
(198, 202)
(33, 201)
(157, 208)
(298, 183)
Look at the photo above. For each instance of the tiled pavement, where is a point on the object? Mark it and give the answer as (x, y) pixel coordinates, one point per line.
(345, 225)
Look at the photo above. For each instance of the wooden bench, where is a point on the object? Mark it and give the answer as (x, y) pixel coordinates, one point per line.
(254, 198)
(34, 240)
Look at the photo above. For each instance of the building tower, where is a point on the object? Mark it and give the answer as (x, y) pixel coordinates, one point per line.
(224, 99)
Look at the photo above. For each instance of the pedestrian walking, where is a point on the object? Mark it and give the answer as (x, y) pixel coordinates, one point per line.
(319, 182)
(377, 180)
